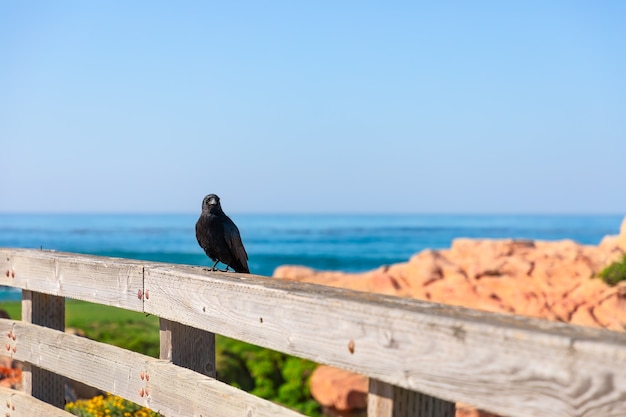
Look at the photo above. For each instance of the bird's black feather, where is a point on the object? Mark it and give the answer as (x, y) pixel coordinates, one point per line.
(218, 235)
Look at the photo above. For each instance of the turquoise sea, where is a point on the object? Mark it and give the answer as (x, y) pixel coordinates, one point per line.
(323, 241)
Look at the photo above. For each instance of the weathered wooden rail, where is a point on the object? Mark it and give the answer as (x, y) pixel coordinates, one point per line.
(421, 357)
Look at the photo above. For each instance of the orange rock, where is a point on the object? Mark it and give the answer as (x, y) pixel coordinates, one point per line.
(11, 377)
(609, 243)
(550, 280)
(424, 267)
(399, 271)
(590, 292)
(512, 294)
(516, 266)
(477, 258)
(293, 272)
(456, 290)
(490, 248)
(384, 283)
(611, 312)
(340, 389)
(583, 316)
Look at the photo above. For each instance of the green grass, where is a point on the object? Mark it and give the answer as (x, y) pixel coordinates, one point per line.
(266, 373)
(14, 308)
(615, 272)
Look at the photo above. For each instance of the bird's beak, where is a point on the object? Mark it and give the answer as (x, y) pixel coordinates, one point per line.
(212, 201)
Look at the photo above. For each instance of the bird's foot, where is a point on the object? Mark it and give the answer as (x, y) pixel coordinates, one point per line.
(215, 269)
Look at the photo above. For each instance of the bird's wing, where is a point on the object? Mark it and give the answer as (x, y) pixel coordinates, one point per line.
(201, 235)
(233, 239)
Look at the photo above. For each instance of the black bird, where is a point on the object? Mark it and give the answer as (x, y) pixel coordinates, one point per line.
(219, 236)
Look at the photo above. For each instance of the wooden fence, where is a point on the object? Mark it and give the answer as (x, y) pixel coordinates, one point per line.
(421, 357)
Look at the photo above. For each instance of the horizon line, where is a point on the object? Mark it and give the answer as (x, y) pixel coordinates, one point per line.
(329, 213)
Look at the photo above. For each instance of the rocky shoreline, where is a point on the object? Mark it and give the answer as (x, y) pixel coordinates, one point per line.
(548, 280)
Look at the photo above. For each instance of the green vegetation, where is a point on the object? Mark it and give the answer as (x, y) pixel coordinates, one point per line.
(14, 308)
(615, 272)
(265, 373)
(126, 329)
(108, 406)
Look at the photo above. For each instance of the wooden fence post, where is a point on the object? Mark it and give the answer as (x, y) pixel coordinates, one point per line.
(188, 346)
(48, 311)
(386, 400)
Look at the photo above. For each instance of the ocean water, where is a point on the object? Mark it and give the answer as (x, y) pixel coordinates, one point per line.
(322, 241)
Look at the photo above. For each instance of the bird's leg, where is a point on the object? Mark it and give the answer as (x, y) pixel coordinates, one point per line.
(215, 268)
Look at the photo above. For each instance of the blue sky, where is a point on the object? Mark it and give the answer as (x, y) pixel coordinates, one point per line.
(438, 107)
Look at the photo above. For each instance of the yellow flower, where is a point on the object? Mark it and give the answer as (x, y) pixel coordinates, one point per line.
(109, 406)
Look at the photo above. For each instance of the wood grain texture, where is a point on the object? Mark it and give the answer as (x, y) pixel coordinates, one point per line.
(385, 400)
(188, 347)
(380, 399)
(502, 363)
(49, 311)
(18, 404)
(154, 383)
(111, 281)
